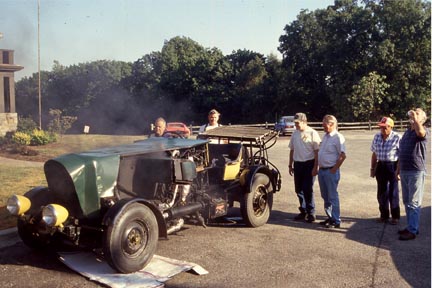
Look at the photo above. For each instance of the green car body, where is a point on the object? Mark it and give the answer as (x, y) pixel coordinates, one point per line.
(120, 200)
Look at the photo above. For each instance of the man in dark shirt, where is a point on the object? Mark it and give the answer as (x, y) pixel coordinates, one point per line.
(412, 171)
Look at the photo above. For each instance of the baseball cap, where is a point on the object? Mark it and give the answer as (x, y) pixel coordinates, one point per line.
(213, 111)
(300, 117)
(386, 121)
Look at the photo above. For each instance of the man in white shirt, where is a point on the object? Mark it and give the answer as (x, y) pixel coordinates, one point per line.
(303, 164)
(213, 118)
(331, 155)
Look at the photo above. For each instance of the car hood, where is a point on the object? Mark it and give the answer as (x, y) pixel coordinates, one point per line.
(88, 176)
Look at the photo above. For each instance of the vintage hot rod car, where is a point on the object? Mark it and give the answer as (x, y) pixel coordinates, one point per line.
(120, 200)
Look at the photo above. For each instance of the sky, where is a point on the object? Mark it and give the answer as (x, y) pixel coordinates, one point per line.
(79, 31)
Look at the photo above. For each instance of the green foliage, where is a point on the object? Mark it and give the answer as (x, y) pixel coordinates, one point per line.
(40, 137)
(354, 59)
(36, 137)
(367, 95)
(21, 138)
(329, 52)
(26, 124)
(60, 124)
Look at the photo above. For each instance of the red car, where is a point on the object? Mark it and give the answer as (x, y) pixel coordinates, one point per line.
(178, 128)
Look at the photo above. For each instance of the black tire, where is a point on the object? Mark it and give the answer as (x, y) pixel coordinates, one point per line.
(130, 242)
(27, 233)
(256, 205)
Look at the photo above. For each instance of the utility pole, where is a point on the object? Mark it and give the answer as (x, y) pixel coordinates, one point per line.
(39, 73)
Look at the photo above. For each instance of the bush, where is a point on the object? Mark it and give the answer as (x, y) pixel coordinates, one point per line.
(21, 138)
(40, 137)
(26, 125)
(60, 124)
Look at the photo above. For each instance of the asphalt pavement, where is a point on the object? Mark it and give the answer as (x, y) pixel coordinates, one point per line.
(282, 253)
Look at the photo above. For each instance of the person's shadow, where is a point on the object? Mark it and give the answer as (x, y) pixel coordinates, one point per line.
(411, 258)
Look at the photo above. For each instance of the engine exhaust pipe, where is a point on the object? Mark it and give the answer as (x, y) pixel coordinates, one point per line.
(181, 211)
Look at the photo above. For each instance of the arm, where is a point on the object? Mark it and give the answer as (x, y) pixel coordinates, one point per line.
(416, 124)
(315, 168)
(339, 162)
(398, 171)
(373, 164)
(291, 162)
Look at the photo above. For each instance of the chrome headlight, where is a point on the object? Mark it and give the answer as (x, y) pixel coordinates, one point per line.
(54, 215)
(18, 205)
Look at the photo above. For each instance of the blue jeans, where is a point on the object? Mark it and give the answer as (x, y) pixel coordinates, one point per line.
(412, 183)
(328, 183)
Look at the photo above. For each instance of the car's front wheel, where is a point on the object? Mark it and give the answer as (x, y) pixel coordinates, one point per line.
(31, 236)
(130, 242)
(256, 205)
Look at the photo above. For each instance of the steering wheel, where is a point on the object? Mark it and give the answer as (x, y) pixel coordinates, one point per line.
(173, 134)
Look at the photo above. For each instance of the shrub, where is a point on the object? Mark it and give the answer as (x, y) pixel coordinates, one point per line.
(21, 138)
(40, 137)
(26, 125)
(60, 124)
(52, 137)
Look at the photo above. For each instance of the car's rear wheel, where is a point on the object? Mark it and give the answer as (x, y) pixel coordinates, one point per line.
(130, 242)
(256, 205)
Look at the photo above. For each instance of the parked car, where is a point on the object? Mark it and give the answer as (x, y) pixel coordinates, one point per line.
(285, 125)
(118, 201)
(178, 128)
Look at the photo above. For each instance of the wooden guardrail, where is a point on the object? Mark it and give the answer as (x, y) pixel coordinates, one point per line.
(399, 126)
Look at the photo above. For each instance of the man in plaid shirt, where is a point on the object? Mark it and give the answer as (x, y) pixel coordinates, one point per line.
(385, 154)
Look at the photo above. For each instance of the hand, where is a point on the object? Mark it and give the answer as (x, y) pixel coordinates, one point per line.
(314, 171)
(372, 172)
(291, 170)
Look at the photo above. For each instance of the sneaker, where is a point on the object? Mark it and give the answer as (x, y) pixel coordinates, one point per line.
(393, 221)
(381, 220)
(332, 224)
(407, 236)
(405, 231)
(310, 218)
(300, 217)
(325, 222)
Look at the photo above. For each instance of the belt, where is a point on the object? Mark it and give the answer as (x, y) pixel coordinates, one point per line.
(387, 161)
(325, 168)
(311, 160)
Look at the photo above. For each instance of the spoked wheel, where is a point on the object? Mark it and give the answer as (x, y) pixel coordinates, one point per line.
(256, 205)
(130, 242)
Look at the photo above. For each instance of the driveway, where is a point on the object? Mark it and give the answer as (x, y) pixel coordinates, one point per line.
(282, 253)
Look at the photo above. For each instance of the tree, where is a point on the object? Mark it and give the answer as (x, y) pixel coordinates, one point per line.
(403, 53)
(367, 95)
(246, 83)
(328, 52)
(191, 77)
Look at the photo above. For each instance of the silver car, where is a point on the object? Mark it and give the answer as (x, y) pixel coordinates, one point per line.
(285, 125)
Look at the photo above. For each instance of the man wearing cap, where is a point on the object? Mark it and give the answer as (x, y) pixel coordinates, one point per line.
(385, 154)
(303, 164)
(213, 118)
(412, 171)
